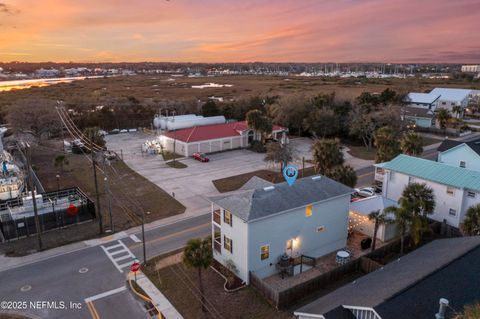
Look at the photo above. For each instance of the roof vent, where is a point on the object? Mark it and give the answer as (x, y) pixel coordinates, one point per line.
(269, 188)
(316, 177)
(441, 309)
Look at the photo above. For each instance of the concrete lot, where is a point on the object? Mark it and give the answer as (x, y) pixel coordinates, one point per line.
(191, 185)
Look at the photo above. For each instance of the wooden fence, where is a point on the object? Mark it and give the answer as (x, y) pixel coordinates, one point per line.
(284, 298)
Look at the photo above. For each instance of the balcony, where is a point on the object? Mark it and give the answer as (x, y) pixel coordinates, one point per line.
(217, 217)
(217, 246)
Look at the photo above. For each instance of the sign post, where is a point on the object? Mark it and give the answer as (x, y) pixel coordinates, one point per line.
(135, 267)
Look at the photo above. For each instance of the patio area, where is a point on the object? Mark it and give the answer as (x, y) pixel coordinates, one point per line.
(323, 264)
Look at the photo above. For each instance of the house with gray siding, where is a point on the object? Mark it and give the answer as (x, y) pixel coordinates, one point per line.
(254, 226)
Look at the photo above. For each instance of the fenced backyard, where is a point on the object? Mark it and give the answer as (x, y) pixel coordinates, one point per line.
(325, 279)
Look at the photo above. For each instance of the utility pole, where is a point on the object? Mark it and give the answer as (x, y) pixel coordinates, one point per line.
(34, 198)
(97, 204)
(174, 138)
(143, 238)
(107, 193)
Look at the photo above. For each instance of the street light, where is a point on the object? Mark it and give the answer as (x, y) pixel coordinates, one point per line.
(143, 238)
(58, 183)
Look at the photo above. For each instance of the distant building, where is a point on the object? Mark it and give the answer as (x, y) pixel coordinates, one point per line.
(456, 189)
(421, 117)
(254, 226)
(460, 154)
(411, 287)
(422, 100)
(47, 73)
(473, 68)
(450, 98)
(214, 138)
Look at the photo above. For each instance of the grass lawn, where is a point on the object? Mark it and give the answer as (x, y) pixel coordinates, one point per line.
(178, 164)
(180, 285)
(429, 140)
(232, 183)
(360, 151)
(129, 191)
(169, 155)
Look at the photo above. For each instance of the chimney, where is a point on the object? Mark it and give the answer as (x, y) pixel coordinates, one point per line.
(441, 309)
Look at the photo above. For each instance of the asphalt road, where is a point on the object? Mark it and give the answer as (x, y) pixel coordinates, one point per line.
(63, 278)
(90, 274)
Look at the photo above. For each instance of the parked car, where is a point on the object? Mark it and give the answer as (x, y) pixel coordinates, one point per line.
(201, 157)
(364, 192)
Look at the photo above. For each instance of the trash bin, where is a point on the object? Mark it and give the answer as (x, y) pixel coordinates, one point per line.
(366, 243)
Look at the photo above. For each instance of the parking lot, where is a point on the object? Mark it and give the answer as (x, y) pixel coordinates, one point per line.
(193, 184)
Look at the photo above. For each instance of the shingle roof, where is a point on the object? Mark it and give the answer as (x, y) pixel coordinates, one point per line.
(261, 202)
(418, 112)
(436, 172)
(449, 144)
(211, 132)
(423, 98)
(450, 94)
(379, 286)
(255, 182)
(458, 282)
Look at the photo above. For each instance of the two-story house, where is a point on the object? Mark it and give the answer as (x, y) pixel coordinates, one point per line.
(456, 189)
(254, 226)
(460, 154)
(451, 97)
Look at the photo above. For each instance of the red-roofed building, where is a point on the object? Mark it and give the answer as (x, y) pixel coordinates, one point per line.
(213, 138)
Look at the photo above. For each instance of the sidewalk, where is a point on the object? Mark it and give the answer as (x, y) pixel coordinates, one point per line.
(158, 299)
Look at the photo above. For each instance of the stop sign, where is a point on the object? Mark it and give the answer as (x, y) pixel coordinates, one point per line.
(72, 210)
(135, 266)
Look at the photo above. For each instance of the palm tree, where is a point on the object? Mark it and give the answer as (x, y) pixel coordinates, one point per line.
(327, 155)
(470, 312)
(260, 123)
(379, 219)
(60, 161)
(198, 254)
(403, 217)
(471, 223)
(421, 201)
(443, 115)
(344, 174)
(457, 109)
(421, 198)
(412, 144)
(387, 145)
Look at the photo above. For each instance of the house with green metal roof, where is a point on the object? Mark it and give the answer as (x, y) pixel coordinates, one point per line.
(455, 188)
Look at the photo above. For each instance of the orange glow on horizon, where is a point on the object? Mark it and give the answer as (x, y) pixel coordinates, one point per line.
(240, 31)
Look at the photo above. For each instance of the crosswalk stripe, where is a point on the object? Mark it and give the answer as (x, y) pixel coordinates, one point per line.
(123, 254)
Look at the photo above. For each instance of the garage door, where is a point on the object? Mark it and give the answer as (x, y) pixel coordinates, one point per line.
(205, 147)
(216, 146)
(236, 143)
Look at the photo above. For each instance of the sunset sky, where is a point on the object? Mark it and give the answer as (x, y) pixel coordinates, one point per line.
(240, 31)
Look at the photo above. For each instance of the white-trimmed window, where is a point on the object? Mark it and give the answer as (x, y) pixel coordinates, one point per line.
(264, 252)
(227, 244)
(227, 217)
(450, 191)
(452, 212)
(392, 176)
(411, 180)
(463, 164)
(471, 194)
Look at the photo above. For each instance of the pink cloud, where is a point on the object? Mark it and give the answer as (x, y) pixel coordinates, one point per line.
(248, 30)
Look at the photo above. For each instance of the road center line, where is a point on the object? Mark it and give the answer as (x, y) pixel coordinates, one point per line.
(173, 235)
